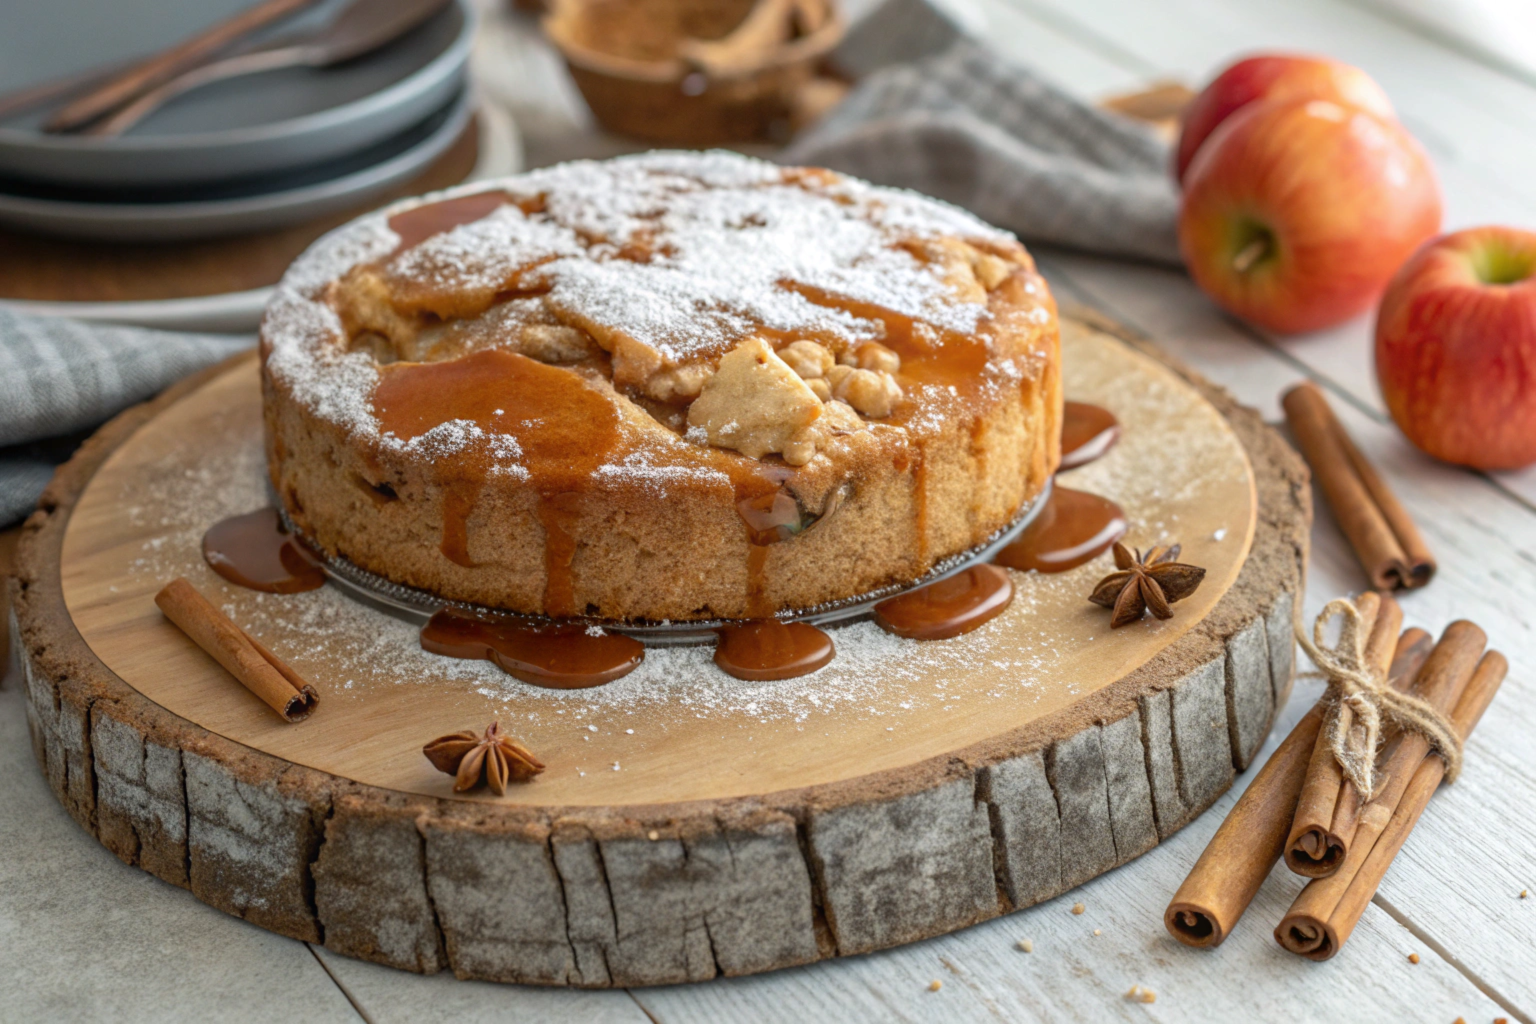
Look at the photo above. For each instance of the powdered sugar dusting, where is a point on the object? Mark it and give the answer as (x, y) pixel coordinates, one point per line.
(683, 253)
(486, 252)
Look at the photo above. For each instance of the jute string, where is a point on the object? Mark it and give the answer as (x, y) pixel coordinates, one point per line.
(1362, 687)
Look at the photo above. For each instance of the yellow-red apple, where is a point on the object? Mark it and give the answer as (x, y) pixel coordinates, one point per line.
(1274, 76)
(1297, 213)
(1456, 348)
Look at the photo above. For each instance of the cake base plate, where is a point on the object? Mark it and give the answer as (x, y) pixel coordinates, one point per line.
(689, 824)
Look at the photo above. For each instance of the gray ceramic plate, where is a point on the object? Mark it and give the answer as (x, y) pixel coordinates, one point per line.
(255, 125)
(501, 154)
(230, 210)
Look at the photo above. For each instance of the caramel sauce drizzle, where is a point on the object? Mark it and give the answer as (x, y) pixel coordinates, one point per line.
(420, 223)
(770, 515)
(558, 513)
(769, 649)
(1087, 433)
(562, 656)
(1074, 527)
(949, 607)
(458, 502)
(253, 550)
(564, 428)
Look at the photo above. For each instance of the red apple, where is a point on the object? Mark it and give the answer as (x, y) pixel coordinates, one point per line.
(1456, 348)
(1296, 213)
(1274, 76)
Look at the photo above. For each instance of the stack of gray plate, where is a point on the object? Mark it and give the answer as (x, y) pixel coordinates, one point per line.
(255, 152)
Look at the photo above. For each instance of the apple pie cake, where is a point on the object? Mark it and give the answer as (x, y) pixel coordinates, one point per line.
(676, 386)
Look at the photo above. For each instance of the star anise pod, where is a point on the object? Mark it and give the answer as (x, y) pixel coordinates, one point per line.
(494, 758)
(1150, 579)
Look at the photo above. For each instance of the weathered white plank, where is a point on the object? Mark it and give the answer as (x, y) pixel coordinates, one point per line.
(84, 937)
(389, 996)
(1461, 109)
(1054, 54)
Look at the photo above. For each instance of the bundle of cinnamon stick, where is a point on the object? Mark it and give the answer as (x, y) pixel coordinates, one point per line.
(1301, 806)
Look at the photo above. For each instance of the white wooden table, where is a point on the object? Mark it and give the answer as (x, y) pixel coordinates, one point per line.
(83, 937)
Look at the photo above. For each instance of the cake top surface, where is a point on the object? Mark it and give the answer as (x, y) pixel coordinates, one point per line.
(640, 275)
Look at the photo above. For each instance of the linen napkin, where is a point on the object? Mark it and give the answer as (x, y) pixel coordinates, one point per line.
(941, 114)
(59, 378)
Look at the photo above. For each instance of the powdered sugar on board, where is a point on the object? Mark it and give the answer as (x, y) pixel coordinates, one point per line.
(353, 650)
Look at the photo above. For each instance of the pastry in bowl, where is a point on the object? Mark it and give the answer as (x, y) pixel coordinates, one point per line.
(676, 386)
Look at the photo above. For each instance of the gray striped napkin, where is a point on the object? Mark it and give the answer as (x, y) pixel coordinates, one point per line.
(60, 378)
(967, 126)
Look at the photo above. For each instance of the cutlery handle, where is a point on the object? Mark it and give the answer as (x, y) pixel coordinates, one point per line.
(30, 96)
(125, 117)
(164, 66)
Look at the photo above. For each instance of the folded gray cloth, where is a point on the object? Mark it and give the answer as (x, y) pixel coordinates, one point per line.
(968, 126)
(59, 378)
(897, 32)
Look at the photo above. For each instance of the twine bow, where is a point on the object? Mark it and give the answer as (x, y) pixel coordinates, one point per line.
(1362, 687)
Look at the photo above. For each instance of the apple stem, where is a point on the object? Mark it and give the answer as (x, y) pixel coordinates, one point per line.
(1250, 254)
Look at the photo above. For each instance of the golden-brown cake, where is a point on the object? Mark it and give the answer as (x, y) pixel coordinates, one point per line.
(672, 386)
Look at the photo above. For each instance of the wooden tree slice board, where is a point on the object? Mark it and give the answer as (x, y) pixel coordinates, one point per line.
(689, 824)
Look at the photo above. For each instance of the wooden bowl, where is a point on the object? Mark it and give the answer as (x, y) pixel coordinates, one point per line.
(629, 58)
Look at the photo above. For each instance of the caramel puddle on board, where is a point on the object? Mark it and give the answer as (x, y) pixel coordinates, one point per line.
(253, 550)
(562, 656)
(949, 607)
(1087, 432)
(770, 649)
(1074, 527)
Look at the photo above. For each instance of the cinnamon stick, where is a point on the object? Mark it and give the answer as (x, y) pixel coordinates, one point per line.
(1307, 851)
(257, 668)
(1378, 527)
(1325, 914)
(1445, 675)
(1244, 849)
